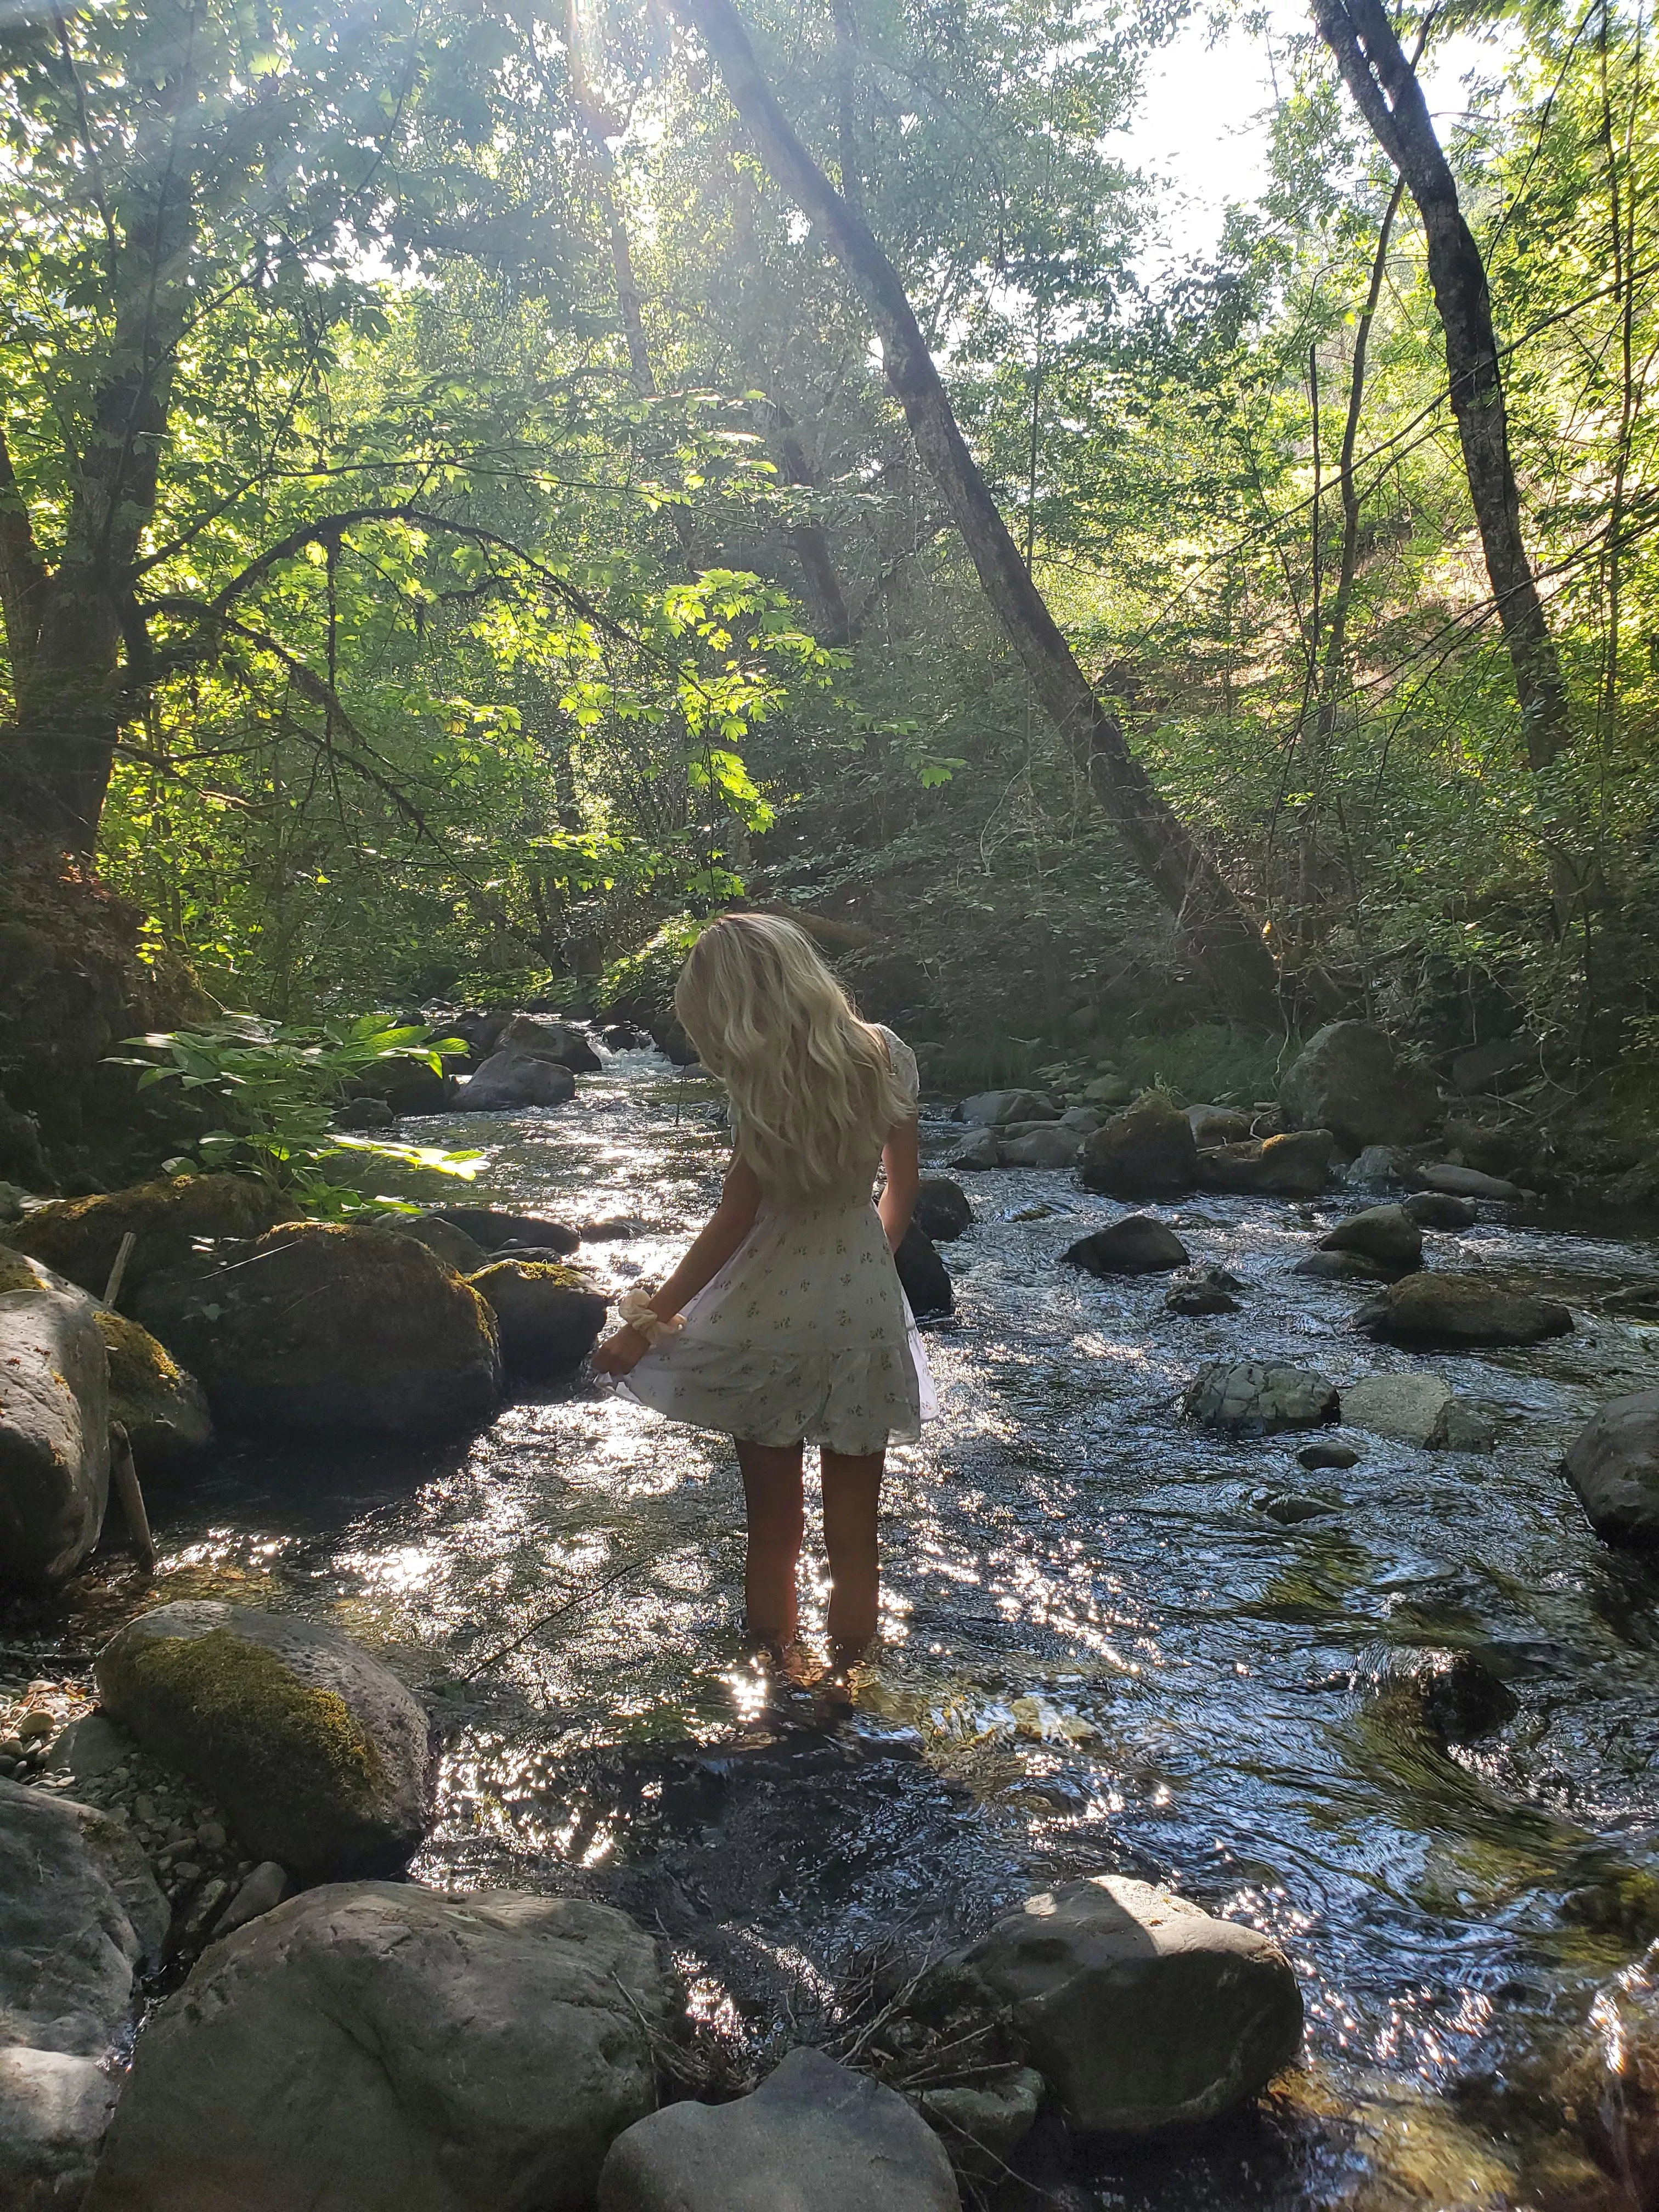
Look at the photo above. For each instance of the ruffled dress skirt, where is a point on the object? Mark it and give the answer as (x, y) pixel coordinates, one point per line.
(804, 1336)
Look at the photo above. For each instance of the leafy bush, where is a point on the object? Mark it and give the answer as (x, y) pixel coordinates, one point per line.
(642, 982)
(278, 1088)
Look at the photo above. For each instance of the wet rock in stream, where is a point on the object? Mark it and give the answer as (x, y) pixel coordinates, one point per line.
(1453, 1312)
(54, 1427)
(943, 1212)
(1385, 1234)
(1146, 1152)
(1255, 1399)
(549, 1314)
(1614, 1466)
(1137, 1245)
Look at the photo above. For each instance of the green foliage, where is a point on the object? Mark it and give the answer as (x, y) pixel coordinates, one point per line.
(278, 1088)
(644, 980)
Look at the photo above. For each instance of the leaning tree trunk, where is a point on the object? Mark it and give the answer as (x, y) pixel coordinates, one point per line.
(1385, 88)
(1212, 918)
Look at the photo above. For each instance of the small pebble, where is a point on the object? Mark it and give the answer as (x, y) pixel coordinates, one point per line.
(212, 1837)
(144, 1808)
(187, 1871)
(1319, 1456)
(33, 1726)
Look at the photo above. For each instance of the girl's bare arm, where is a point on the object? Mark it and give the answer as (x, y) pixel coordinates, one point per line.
(902, 1165)
(713, 1245)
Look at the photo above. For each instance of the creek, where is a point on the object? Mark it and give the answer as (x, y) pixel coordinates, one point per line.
(1100, 1653)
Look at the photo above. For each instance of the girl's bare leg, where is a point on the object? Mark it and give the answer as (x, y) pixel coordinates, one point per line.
(772, 1492)
(852, 1496)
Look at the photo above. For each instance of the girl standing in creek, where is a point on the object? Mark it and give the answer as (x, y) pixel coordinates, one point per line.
(785, 1325)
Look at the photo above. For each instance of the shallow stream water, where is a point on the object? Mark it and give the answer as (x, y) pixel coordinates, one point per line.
(1100, 1653)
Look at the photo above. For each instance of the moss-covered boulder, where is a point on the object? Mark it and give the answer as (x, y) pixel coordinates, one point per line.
(319, 1326)
(320, 1756)
(549, 1314)
(1458, 1313)
(172, 1221)
(54, 1426)
(161, 1405)
(1148, 1152)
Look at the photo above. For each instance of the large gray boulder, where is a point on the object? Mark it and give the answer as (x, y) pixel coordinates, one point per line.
(1385, 1234)
(54, 1426)
(1255, 1399)
(317, 1325)
(555, 1041)
(1147, 1152)
(1455, 1313)
(80, 1915)
(1049, 1146)
(814, 2137)
(1454, 1182)
(1614, 1465)
(319, 1755)
(376, 2047)
(1350, 1080)
(508, 1082)
(1141, 2011)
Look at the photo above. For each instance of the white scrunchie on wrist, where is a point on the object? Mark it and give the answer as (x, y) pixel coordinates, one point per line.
(639, 1315)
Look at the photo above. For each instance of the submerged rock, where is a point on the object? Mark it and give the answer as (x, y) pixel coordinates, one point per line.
(1141, 2012)
(553, 1041)
(391, 2049)
(1454, 1694)
(942, 1209)
(1386, 1234)
(1614, 1466)
(1315, 1457)
(1137, 1245)
(1206, 1289)
(1257, 1400)
(492, 1230)
(1465, 1182)
(80, 1917)
(1408, 1407)
(550, 1316)
(1343, 1268)
(162, 1407)
(1295, 1165)
(814, 2137)
(1148, 1152)
(54, 1428)
(1050, 1145)
(320, 1756)
(923, 1275)
(171, 1222)
(318, 1327)
(1350, 1080)
(1452, 1312)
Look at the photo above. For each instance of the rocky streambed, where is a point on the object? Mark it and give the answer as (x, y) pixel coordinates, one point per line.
(1392, 1710)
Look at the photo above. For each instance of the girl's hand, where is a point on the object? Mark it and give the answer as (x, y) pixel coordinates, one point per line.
(620, 1352)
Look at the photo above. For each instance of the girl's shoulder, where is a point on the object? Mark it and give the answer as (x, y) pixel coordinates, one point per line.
(900, 1058)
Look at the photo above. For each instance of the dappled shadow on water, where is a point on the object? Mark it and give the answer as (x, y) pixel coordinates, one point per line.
(1100, 1652)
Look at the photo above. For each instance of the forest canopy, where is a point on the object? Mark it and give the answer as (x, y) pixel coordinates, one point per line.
(465, 501)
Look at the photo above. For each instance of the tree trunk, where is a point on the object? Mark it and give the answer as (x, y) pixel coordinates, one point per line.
(1212, 919)
(1385, 88)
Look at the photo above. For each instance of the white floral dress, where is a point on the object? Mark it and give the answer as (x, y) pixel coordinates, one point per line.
(805, 1335)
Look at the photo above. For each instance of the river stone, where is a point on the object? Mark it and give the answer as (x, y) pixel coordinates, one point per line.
(80, 1914)
(1376, 1169)
(1464, 1428)
(1049, 1146)
(1109, 1088)
(1453, 1312)
(1465, 1182)
(171, 1222)
(1614, 1465)
(385, 2048)
(979, 1149)
(1386, 1234)
(320, 1756)
(814, 2137)
(942, 1209)
(1350, 1080)
(549, 1314)
(923, 1276)
(1147, 1152)
(1206, 1289)
(364, 1113)
(1141, 2012)
(1218, 1125)
(554, 1040)
(54, 1427)
(1257, 1400)
(1320, 1457)
(989, 1109)
(54, 2110)
(1295, 1165)
(12, 1195)
(319, 1326)
(1434, 1209)
(1343, 1268)
(510, 1082)
(1137, 1245)
(995, 2117)
(164, 1409)
(89, 1749)
(1408, 1407)
(493, 1230)
(440, 1238)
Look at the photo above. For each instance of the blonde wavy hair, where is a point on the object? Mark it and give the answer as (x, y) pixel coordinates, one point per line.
(813, 1094)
